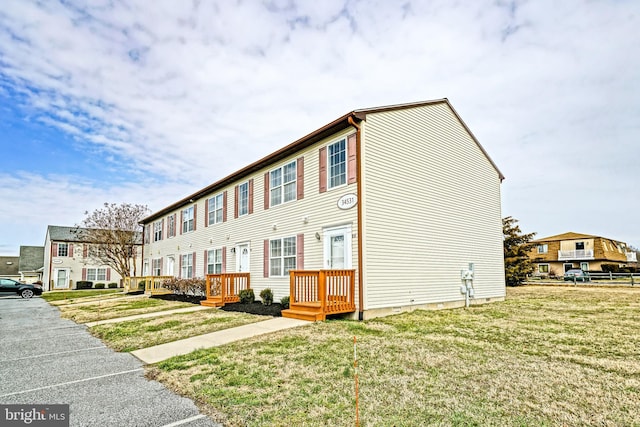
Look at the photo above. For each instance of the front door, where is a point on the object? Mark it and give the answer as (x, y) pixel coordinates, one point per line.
(242, 258)
(170, 265)
(61, 278)
(337, 248)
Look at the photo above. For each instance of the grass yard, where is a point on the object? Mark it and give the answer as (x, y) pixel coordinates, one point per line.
(120, 307)
(548, 356)
(136, 334)
(67, 297)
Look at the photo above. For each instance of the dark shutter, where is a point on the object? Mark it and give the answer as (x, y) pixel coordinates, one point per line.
(266, 258)
(352, 165)
(266, 191)
(195, 211)
(323, 169)
(224, 207)
(206, 212)
(235, 202)
(251, 196)
(224, 260)
(300, 252)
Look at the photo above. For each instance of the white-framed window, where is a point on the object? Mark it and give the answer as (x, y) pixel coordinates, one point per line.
(215, 209)
(543, 268)
(243, 198)
(156, 267)
(283, 184)
(94, 274)
(584, 266)
(543, 248)
(337, 163)
(145, 267)
(171, 226)
(214, 261)
(187, 266)
(187, 219)
(282, 256)
(157, 231)
(63, 249)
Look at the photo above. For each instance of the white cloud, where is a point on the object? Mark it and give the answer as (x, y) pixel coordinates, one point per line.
(187, 90)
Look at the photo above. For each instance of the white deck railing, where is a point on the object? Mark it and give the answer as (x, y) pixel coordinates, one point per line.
(577, 254)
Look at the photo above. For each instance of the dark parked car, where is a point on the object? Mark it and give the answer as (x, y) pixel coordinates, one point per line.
(577, 275)
(25, 290)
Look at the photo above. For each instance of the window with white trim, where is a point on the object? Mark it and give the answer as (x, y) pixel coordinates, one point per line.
(187, 219)
(63, 249)
(584, 266)
(282, 184)
(243, 198)
(94, 274)
(337, 163)
(156, 267)
(543, 249)
(214, 261)
(187, 266)
(171, 226)
(282, 256)
(543, 268)
(215, 209)
(157, 231)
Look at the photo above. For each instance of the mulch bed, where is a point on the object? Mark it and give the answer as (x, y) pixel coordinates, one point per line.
(251, 308)
(255, 308)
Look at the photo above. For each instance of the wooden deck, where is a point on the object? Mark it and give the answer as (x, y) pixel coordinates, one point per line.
(149, 284)
(316, 294)
(225, 288)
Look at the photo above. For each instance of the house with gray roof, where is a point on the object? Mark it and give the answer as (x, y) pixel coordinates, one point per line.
(31, 264)
(9, 267)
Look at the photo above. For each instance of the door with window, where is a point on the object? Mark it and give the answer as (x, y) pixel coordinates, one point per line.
(337, 248)
(242, 258)
(61, 278)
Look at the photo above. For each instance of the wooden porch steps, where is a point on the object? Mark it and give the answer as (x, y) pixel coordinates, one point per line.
(212, 302)
(311, 311)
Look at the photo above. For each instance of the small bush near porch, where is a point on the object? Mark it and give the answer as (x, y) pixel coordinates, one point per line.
(546, 356)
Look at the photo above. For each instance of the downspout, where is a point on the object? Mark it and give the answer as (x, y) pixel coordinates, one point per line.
(359, 207)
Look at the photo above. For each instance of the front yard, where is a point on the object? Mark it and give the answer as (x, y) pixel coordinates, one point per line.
(547, 356)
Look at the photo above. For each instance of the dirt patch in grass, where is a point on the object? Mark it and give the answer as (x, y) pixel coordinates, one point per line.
(545, 356)
(136, 334)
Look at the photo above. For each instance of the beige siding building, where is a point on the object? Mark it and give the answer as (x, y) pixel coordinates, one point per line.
(404, 197)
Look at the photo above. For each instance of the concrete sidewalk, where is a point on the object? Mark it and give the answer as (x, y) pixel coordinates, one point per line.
(147, 315)
(162, 352)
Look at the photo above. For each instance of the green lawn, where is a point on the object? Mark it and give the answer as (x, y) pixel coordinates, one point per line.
(120, 307)
(82, 294)
(136, 334)
(547, 356)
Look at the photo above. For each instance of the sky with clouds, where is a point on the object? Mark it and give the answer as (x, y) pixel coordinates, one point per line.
(147, 102)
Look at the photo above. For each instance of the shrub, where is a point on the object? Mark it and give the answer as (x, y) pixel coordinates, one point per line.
(247, 296)
(266, 296)
(84, 284)
(195, 286)
(99, 286)
(284, 302)
(112, 285)
(142, 284)
(610, 268)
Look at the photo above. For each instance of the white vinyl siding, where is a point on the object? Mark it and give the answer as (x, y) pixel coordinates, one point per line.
(425, 233)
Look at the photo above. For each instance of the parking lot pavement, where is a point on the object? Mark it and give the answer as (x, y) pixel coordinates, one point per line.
(49, 360)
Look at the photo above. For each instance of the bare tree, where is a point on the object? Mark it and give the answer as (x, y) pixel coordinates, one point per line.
(114, 234)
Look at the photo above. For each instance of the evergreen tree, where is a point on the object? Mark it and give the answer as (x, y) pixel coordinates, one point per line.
(517, 265)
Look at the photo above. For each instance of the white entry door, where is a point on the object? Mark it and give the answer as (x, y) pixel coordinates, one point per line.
(242, 258)
(337, 248)
(171, 261)
(61, 278)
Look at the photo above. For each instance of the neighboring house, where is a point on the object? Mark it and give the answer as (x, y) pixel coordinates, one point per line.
(555, 255)
(69, 259)
(31, 263)
(401, 197)
(9, 267)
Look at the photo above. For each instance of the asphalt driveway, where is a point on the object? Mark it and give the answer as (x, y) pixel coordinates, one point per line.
(49, 360)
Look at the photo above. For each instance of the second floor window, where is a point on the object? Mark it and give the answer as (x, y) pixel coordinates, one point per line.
(187, 220)
(543, 249)
(171, 227)
(337, 163)
(63, 249)
(243, 199)
(215, 209)
(283, 184)
(157, 231)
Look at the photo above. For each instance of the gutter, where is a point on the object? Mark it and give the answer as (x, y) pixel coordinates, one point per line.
(359, 207)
